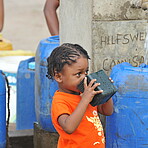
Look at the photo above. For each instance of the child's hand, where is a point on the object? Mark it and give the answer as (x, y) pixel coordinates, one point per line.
(89, 91)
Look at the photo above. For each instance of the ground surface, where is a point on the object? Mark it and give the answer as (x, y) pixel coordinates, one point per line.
(24, 23)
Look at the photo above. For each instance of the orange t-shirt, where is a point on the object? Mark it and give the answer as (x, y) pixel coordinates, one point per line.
(89, 133)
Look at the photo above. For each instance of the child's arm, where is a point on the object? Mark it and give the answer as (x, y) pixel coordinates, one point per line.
(69, 123)
(51, 16)
(1, 15)
(106, 108)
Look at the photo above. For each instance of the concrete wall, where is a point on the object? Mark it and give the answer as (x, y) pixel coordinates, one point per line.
(75, 22)
(111, 31)
(116, 10)
(118, 41)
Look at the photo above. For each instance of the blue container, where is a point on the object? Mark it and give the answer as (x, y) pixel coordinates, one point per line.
(25, 112)
(128, 126)
(2, 111)
(44, 88)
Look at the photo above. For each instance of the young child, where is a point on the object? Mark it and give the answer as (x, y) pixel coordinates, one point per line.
(76, 121)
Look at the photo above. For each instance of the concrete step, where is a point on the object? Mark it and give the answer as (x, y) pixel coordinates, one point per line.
(44, 139)
(31, 138)
(20, 138)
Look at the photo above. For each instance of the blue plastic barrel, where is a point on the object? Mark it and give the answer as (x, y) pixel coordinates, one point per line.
(25, 112)
(128, 126)
(2, 111)
(44, 88)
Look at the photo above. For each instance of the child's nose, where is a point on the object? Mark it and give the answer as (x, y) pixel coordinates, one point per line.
(84, 75)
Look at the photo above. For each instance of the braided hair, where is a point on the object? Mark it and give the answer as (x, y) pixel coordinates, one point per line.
(67, 53)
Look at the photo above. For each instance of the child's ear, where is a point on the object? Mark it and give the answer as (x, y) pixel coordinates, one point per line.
(58, 77)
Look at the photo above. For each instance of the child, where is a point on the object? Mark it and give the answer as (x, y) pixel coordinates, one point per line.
(75, 120)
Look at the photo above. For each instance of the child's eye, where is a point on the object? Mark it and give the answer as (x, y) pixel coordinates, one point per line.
(78, 74)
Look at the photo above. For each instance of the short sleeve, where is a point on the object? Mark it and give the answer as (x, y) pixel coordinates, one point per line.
(59, 108)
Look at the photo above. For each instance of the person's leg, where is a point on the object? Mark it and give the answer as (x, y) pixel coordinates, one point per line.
(51, 16)
(1, 15)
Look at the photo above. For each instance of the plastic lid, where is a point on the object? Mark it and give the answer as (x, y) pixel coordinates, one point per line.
(31, 65)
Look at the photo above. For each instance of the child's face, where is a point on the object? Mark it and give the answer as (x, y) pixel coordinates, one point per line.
(73, 74)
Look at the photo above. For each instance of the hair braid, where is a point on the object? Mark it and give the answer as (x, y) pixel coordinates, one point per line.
(65, 54)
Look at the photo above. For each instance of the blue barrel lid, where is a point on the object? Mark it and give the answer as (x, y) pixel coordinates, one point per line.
(53, 38)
